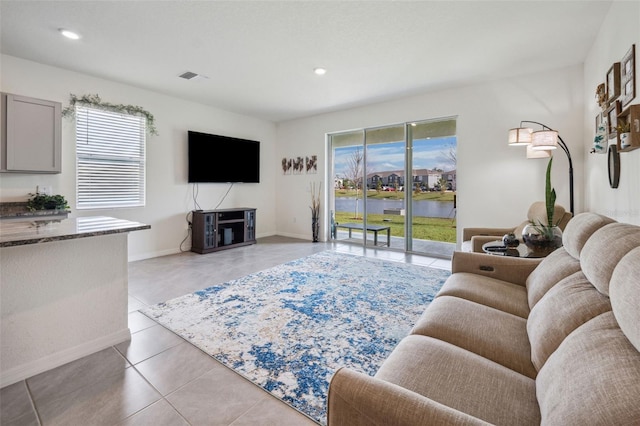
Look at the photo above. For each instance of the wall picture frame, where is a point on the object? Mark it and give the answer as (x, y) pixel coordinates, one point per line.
(287, 166)
(600, 141)
(628, 76)
(611, 115)
(599, 120)
(613, 82)
(311, 164)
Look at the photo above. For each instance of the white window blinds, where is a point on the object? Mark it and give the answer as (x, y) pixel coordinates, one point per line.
(110, 153)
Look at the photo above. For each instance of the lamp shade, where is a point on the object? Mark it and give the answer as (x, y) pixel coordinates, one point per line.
(544, 140)
(541, 153)
(520, 136)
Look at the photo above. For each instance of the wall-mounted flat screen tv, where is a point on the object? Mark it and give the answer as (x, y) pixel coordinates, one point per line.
(222, 159)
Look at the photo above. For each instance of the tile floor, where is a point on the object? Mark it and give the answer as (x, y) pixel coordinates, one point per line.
(157, 378)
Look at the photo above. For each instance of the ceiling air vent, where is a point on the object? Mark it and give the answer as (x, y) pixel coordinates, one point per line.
(188, 75)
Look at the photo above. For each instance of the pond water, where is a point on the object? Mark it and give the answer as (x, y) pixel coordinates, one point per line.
(425, 208)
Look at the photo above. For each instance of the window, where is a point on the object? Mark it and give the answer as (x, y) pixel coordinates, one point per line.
(110, 158)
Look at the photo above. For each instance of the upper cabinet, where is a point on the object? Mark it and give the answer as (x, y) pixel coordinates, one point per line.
(31, 135)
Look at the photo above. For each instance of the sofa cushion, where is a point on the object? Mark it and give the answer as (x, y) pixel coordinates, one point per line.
(502, 295)
(568, 305)
(550, 271)
(579, 229)
(593, 378)
(462, 380)
(489, 332)
(625, 295)
(603, 251)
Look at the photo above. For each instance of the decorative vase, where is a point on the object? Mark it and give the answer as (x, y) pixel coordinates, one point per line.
(510, 240)
(541, 239)
(625, 140)
(315, 228)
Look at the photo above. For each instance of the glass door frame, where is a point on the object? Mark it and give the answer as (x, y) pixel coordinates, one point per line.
(408, 181)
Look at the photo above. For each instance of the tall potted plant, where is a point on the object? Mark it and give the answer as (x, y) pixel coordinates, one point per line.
(315, 210)
(543, 238)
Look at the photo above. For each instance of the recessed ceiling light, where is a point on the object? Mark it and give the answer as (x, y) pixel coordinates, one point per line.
(320, 71)
(69, 34)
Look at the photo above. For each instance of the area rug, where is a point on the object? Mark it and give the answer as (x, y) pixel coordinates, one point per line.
(289, 328)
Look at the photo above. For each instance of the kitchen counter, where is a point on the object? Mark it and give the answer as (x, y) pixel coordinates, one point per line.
(64, 291)
(19, 210)
(13, 233)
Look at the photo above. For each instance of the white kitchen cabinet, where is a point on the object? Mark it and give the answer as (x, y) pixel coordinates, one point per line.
(31, 135)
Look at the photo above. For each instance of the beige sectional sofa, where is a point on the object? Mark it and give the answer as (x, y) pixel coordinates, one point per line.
(508, 341)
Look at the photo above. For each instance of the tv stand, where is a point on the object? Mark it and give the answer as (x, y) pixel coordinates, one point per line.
(214, 230)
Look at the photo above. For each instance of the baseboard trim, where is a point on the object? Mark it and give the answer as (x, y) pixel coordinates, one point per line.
(154, 254)
(57, 359)
(151, 255)
(292, 235)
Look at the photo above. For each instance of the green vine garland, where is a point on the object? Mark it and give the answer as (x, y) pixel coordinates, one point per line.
(96, 102)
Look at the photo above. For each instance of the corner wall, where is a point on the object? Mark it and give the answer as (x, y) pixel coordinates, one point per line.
(496, 183)
(620, 29)
(168, 196)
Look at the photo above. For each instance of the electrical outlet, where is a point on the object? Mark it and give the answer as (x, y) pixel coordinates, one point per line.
(43, 189)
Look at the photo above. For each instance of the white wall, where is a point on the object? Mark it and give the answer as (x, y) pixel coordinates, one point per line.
(496, 183)
(168, 197)
(621, 29)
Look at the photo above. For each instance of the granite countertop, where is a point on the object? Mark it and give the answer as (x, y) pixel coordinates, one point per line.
(19, 210)
(13, 233)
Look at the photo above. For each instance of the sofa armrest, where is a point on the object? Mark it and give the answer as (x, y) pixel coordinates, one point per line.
(467, 233)
(511, 269)
(356, 399)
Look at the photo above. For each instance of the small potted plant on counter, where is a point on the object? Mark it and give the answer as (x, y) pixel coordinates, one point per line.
(40, 201)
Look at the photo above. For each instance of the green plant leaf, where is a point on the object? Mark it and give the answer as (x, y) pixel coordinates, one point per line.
(550, 195)
(47, 202)
(96, 102)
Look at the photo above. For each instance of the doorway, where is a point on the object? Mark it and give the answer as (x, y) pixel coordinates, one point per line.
(395, 186)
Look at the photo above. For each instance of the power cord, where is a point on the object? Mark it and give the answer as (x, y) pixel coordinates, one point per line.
(194, 193)
(188, 232)
(223, 197)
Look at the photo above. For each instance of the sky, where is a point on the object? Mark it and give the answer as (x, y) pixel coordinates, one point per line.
(427, 154)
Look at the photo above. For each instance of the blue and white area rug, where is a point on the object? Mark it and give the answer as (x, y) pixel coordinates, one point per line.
(289, 328)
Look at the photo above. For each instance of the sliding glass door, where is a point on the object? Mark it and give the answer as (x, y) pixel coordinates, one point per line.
(385, 176)
(395, 181)
(432, 201)
(347, 212)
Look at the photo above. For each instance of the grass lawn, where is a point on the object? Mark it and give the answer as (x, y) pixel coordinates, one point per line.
(396, 195)
(424, 228)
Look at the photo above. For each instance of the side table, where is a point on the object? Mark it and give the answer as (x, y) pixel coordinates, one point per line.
(499, 249)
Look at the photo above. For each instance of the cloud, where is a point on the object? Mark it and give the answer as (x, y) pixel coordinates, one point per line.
(427, 154)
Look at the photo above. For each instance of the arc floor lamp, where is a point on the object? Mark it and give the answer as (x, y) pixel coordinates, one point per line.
(539, 145)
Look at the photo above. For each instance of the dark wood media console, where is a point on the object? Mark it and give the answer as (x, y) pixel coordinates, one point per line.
(214, 230)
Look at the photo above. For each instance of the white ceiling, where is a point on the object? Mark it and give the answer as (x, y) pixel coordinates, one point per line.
(259, 56)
